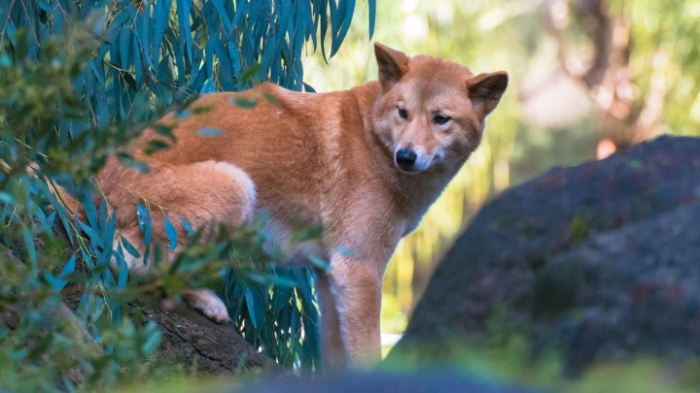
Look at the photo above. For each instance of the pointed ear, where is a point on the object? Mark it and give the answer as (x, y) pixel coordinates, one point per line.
(485, 90)
(392, 65)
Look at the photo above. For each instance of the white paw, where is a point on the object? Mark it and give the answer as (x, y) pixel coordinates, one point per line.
(206, 302)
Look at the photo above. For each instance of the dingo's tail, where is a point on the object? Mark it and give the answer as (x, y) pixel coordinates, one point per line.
(68, 201)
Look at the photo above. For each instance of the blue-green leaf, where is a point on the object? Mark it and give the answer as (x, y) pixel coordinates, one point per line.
(250, 303)
(183, 11)
(29, 245)
(92, 233)
(170, 232)
(319, 262)
(151, 343)
(58, 283)
(219, 5)
(144, 219)
(209, 132)
(161, 14)
(123, 276)
(187, 226)
(90, 211)
(345, 11)
(372, 16)
(144, 33)
(6, 198)
(69, 268)
(130, 162)
(130, 248)
(244, 102)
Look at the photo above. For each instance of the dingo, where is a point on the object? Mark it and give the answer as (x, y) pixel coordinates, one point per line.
(365, 164)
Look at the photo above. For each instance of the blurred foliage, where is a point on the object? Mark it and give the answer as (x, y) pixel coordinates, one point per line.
(508, 358)
(515, 36)
(78, 81)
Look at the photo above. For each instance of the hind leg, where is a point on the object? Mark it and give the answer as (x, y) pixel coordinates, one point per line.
(202, 193)
(206, 302)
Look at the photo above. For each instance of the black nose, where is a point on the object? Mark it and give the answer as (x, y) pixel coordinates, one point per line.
(405, 158)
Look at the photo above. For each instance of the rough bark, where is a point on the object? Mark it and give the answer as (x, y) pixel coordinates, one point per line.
(192, 340)
(189, 339)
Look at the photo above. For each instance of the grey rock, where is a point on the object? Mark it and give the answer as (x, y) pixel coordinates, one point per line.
(601, 259)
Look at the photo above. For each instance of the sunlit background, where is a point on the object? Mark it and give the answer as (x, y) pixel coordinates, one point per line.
(565, 103)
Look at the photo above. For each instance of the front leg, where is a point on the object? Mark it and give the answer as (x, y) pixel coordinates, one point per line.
(332, 346)
(356, 288)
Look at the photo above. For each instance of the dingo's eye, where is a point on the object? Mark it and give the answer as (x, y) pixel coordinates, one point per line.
(403, 113)
(441, 119)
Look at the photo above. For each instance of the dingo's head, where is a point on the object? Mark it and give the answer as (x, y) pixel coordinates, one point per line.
(430, 111)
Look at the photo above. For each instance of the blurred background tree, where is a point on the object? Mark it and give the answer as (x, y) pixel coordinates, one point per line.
(587, 77)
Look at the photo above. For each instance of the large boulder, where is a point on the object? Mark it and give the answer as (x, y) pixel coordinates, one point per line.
(600, 261)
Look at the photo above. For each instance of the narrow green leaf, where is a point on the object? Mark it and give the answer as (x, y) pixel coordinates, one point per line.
(372, 16)
(319, 262)
(244, 102)
(170, 232)
(271, 98)
(250, 303)
(29, 245)
(187, 226)
(155, 146)
(152, 343)
(130, 162)
(123, 269)
(209, 132)
(130, 248)
(144, 219)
